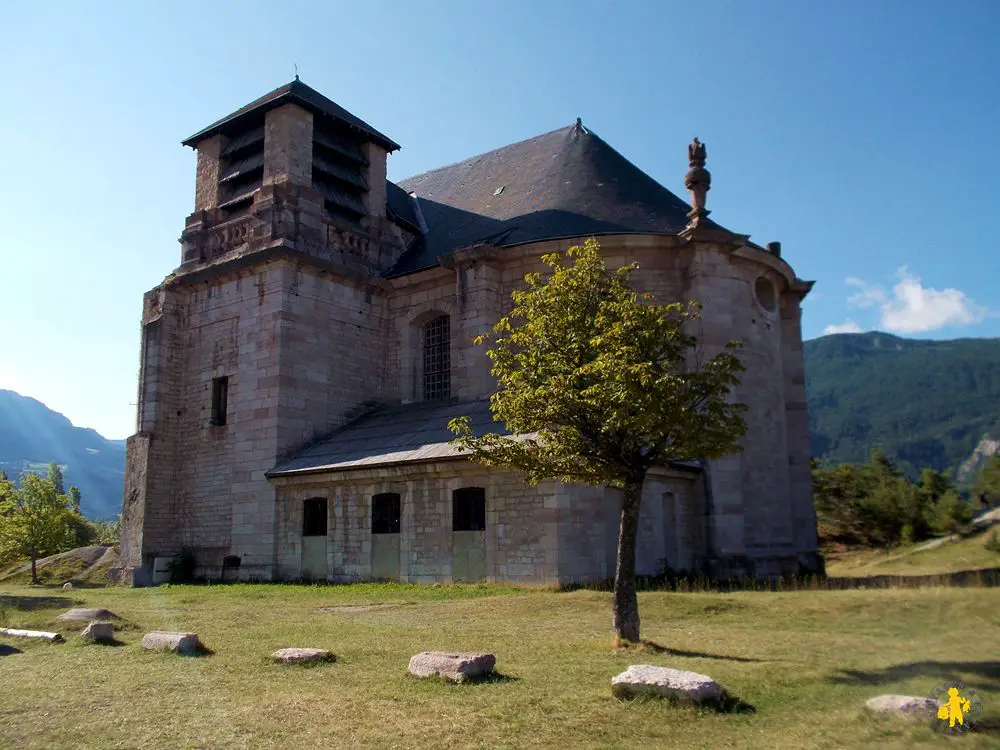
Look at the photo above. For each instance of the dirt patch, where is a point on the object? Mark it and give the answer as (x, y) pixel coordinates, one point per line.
(355, 608)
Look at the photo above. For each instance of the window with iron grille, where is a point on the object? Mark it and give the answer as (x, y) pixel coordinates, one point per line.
(385, 513)
(314, 517)
(437, 359)
(468, 509)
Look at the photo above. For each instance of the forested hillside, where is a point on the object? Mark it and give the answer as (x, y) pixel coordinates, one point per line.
(925, 403)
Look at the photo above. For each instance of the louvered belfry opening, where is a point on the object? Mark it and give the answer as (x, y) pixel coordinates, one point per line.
(241, 171)
(338, 170)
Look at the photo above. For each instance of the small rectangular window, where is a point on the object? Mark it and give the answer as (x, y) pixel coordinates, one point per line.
(314, 517)
(468, 509)
(220, 398)
(385, 513)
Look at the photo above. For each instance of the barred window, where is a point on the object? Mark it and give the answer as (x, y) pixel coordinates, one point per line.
(437, 359)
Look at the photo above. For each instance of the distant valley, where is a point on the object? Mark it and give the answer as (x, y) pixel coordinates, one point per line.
(31, 435)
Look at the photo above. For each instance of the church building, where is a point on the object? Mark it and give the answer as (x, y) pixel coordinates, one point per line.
(301, 363)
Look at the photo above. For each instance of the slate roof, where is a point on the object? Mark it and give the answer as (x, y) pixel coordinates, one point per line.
(299, 93)
(402, 434)
(567, 183)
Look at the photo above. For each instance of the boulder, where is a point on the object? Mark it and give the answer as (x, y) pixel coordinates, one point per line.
(454, 667)
(643, 679)
(99, 632)
(88, 614)
(180, 643)
(299, 655)
(907, 706)
(68, 586)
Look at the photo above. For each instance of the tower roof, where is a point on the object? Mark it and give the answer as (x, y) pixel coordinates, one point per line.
(566, 183)
(306, 97)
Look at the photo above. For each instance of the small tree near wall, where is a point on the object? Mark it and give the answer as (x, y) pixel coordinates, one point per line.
(599, 385)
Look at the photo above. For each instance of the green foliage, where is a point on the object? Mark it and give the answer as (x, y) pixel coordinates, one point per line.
(993, 543)
(594, 380)
(74, 498)
(107, 532)
(926, 403)
(35, 520)
(874, 504)
(183, 566)
(950, 514)
(599, 384)
(56, 477)
(988, 481)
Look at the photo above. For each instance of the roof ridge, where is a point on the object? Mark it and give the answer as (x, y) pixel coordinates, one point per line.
(487, 153)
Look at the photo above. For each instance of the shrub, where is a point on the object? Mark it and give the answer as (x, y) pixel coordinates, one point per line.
(182, 567)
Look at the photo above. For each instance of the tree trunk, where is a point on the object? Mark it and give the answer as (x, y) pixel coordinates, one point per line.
(626, 602)
(34, 571)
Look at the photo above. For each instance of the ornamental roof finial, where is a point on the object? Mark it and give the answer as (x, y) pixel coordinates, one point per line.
(698, 181)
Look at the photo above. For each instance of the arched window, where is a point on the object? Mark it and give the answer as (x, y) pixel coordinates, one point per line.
(437, 359)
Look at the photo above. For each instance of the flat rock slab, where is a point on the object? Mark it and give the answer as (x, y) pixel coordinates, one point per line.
(644, 679)
(99, 632)
(300, 655)
(87, 614)
(451, 666)
(180, 643)
(909, 706)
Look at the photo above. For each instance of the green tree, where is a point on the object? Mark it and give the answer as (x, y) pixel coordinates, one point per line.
(34, 519)
(56, 477)
(988, 481)
(599, 384)
(74, 498)
(108, 532)
(951, 513)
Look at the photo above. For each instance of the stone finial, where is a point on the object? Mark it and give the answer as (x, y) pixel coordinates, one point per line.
(698, 181)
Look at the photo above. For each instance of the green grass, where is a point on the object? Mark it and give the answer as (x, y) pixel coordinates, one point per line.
(968, 553)
(806, 661)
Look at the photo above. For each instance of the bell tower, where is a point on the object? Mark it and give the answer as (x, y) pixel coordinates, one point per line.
(292, 169)
(269, 333)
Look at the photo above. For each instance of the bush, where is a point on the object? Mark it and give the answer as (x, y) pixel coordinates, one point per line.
(950, 514)
(182, 567)
(993, 543)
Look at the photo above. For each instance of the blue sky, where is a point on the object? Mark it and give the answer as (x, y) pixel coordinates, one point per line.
(862, 135)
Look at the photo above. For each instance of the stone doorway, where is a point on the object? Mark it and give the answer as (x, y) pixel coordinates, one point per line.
(315, 535)
(385, 536)
(468, 537)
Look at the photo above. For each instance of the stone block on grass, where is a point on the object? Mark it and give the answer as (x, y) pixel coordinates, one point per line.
(673, 684)
(87, 614)
(906, 706)
(302, 655)
(180, 643)
(452, 666)
(99, 632)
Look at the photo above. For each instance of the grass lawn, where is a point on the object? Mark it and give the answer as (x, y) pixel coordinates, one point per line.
(806, 661)
(968, 553)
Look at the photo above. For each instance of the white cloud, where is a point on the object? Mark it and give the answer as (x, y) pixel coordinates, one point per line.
(846, 327)
(910, 307)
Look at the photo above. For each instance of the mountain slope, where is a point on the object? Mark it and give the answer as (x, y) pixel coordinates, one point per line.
(925, 403)
(31, 435)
